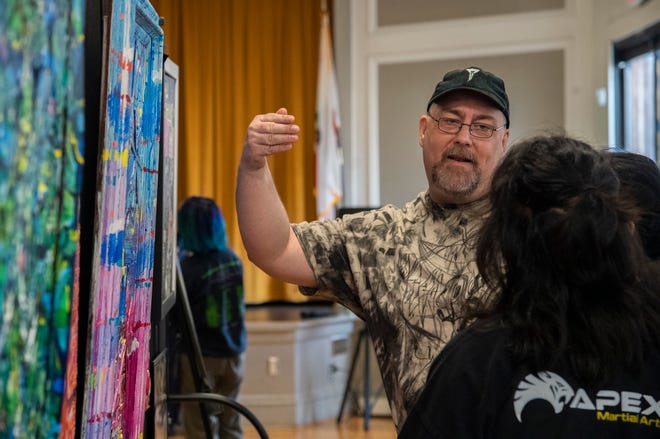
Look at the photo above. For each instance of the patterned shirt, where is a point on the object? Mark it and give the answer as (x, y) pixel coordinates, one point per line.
(407, 273)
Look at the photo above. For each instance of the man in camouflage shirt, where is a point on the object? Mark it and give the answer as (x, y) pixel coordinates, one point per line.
(407, 272)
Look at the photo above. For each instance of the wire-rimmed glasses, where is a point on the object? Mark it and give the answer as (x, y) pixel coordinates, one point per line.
(452, 126)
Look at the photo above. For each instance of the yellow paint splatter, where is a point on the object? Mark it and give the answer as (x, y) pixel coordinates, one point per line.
(73, 140)
(22, 164)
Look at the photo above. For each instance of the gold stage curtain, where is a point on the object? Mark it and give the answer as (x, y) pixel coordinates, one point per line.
(237, 59)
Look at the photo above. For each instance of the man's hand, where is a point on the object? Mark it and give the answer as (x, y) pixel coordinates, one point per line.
(268, 134)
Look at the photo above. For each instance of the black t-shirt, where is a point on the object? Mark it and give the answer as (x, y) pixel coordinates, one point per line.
(475, 390)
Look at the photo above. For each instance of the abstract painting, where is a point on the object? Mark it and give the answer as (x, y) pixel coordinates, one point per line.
(118, 383)
(167, 194)
(42, 122)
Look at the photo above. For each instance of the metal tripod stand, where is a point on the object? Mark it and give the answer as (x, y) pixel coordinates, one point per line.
(362, 341)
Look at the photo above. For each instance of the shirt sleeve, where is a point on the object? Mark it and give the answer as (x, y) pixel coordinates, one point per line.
(324, 244)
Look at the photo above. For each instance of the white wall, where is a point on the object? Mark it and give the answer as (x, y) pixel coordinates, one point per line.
(386, 73)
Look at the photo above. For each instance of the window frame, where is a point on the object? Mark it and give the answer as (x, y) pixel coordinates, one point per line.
(645, 41)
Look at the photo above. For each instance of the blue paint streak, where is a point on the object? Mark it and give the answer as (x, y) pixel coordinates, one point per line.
(111, 249)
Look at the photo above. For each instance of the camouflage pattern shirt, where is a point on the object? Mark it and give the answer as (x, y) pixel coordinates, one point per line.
(407, 273)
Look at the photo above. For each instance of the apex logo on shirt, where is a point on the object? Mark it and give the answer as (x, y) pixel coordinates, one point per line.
(609, 405)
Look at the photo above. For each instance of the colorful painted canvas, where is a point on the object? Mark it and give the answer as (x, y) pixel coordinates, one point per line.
(42, 125)
(117, 387)
(167, 188)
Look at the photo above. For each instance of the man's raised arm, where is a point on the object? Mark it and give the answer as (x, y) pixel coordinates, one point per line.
(262, 219)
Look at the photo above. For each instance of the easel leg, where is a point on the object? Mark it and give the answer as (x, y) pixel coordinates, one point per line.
(363, 336)
(367, 384)
(347, 388)
(193, 349)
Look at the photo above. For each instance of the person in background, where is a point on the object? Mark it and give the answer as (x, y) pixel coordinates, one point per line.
(640, 181)
(570, 347)
(405, 271)
(213, 277)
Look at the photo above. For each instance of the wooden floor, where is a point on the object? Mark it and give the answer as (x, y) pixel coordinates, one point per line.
(350, 428)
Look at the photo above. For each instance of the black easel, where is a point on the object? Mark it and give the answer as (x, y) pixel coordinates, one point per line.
(363, 336)
(200, 377)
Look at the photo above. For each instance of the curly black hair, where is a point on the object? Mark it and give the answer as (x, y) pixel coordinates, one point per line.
(560, 250)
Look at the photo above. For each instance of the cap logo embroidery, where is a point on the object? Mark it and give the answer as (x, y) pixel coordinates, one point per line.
(471, 73)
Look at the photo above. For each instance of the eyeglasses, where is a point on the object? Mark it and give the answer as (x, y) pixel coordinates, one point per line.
(453, 126)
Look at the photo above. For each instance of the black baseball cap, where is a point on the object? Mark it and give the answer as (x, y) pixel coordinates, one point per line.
(477, 80)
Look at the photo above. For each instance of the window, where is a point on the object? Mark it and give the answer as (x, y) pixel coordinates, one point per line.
(637, 61)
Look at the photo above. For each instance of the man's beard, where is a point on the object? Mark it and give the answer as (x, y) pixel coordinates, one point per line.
(456, 180)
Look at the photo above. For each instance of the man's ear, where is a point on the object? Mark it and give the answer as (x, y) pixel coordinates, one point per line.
(505, 140)
(423, 120)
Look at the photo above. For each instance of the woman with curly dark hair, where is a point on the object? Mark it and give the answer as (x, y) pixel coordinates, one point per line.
(570, 345)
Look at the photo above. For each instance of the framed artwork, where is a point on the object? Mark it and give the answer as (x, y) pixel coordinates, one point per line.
(117, 387)
(160, 395)
(42, 156)
(166, 254)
